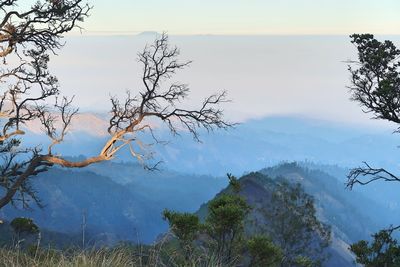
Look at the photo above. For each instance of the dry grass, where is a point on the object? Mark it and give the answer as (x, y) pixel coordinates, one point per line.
(47, 258)
(164, 254)
(117, 257)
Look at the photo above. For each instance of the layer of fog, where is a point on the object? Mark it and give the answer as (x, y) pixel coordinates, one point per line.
(264, 75)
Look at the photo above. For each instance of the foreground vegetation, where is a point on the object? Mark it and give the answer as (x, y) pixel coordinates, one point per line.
(224, 234)
(11, 257)
(120, 256)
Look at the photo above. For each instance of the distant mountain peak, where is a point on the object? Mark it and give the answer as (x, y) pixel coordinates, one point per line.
(148, 33)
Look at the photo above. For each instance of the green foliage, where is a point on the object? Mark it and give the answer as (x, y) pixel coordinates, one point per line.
(293, 224)
(225, 223)
(24, 226)
(234, 183)
(226, 213)
(376, 80)
(302, 261)
(375, 84)
(185, 226)
(383, 251)
(223, 227)
(263, 252)
(298, 238)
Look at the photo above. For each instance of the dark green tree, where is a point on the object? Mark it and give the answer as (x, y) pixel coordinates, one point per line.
(375, 85)
(225, 224)
(302, 261)
(293, 225)
(23, 226)
(223, 228)
(186, 227)
(382, 251)
(234, 183)
(264, 252)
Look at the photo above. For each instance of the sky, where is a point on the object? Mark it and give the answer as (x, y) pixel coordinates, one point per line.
(273, 57)
(245, 16)
(264, 75)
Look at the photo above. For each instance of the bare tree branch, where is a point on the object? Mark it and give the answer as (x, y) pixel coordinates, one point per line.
(375, 85)
(31, 87)
(367, 174)
(159, 101)
(28, 89)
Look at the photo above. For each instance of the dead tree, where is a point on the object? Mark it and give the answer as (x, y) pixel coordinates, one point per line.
(31, 94)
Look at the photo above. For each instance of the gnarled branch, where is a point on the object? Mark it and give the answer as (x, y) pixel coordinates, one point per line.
(159, 101)
(367, 174)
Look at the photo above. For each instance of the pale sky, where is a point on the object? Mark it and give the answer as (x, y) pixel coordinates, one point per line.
(245, 16)
(264, 75)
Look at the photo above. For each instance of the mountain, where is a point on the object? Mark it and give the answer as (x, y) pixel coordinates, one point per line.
(258, 192)
(148, 34)
(266, 142)
(335, 204)
(351, 215)
(385, 194)
(47, 238)
(122, 201)
(127, 206)
(252, 145)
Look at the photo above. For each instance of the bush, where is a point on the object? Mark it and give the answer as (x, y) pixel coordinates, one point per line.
(263, 252)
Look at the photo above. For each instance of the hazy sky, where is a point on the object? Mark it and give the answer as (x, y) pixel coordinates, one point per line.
(264, 75)
(246, 16)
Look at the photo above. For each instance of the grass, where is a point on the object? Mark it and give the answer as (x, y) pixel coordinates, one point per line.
(115, 257)
(100, 257)
(165, 253)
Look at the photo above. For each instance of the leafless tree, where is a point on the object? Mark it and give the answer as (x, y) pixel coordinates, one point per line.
(31, 94)
(159, 101)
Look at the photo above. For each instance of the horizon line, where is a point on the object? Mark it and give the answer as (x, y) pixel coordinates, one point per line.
(144, 33)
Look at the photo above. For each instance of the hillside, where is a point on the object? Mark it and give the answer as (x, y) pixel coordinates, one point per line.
(258, 189)
(335, 205)
(251, 145)
(128, 206)
(125, 207)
